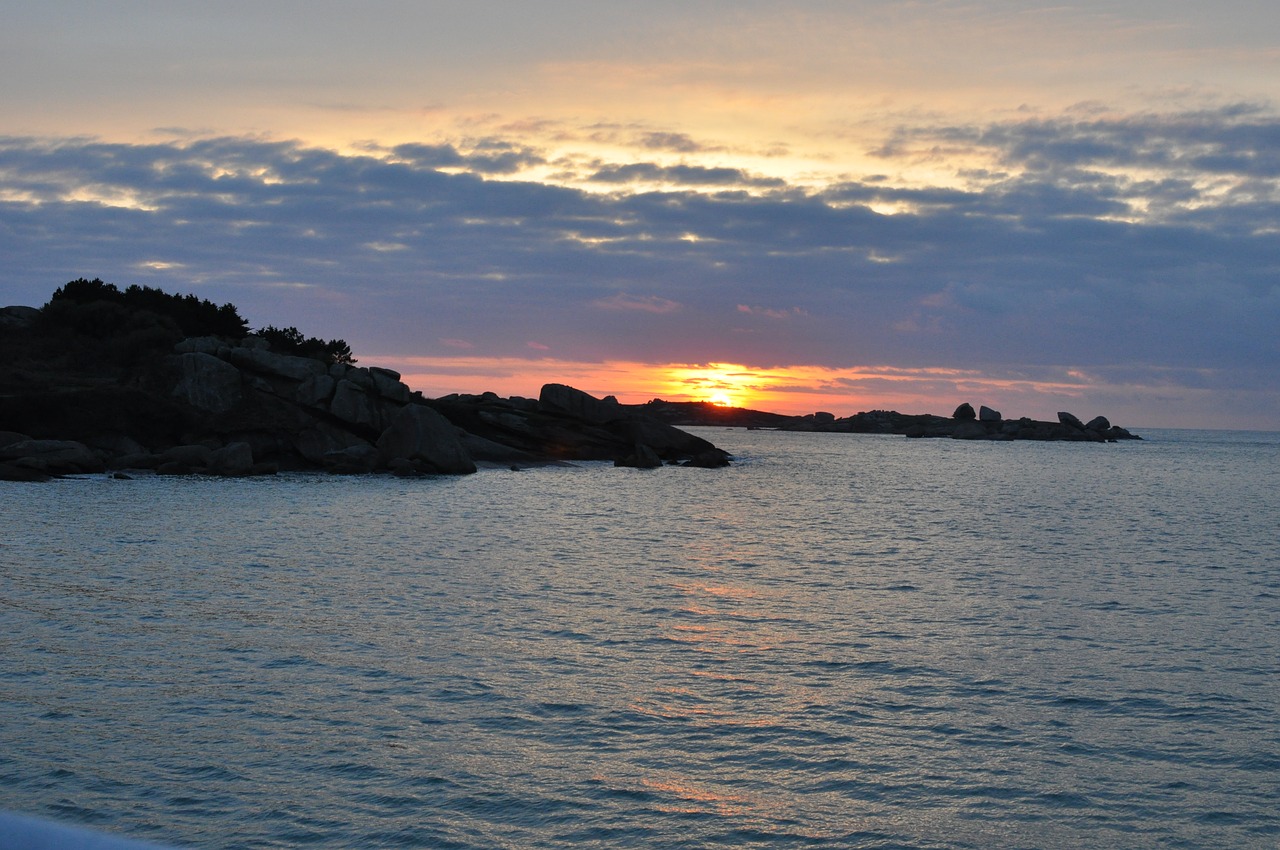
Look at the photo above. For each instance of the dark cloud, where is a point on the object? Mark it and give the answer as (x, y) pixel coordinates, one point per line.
(1240, 140)
(683, 175)
(488, 156)
(678, 142)
(1073, 263)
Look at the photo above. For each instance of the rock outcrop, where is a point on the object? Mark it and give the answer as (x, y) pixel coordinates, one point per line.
(558, 398)
(422, 440)
(568, 424)
(234, 407)
(26, 459)
(986, 424)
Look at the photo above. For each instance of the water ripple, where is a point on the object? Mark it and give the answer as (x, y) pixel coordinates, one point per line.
(866, 643)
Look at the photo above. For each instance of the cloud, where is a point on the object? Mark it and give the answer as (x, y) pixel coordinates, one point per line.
(641, 303)
(678, 142)
(486, 156)
(686, 175)
(1122, 247)
(770, 312)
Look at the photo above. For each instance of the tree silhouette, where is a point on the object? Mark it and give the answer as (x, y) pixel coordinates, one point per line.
(291, 341)
(193, 316)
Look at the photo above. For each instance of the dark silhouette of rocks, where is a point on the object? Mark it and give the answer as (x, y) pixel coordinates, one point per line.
(101, 380)
(567, 424)
(705, 413)
(1070, 420)
(963, 424)
(91, 386)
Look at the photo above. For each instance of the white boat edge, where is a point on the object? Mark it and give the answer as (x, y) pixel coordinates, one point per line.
(24, 832)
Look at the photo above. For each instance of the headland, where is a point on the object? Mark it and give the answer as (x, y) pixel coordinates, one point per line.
(104, 380)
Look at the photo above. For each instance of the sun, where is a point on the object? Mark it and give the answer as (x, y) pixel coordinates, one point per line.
(719, 384)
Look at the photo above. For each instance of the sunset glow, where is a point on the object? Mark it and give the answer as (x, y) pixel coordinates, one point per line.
(796, 207)
(795, 390)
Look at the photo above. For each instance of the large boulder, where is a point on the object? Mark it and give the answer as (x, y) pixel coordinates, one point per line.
(482, 449)
(710, 459)
(18, 317)
(353, 460)
(986, 414)
(559, 398)
(232, 460)
(277, 365)
(1070, 420)
(18, 472)
(192, 457)
(10, 437)
(316, 391)
(668, 441)
(352, 404)
(1098, 423)
(419, 434)
(964, 413)
(387, 384)
(643, 457)
(315, 441)
(208, 383)
(357, 375)
(53, 457)
(203, 344)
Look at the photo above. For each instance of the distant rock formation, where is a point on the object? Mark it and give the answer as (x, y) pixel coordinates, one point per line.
(963, 424)
(987, 424)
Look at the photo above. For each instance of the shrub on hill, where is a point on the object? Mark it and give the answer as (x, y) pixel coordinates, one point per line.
(291, 341)
(120, 325)
(74, 304)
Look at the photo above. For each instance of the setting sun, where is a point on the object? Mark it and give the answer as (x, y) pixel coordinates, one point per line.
(721, 384)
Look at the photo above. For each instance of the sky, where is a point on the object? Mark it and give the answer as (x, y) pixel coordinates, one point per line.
(836, 206)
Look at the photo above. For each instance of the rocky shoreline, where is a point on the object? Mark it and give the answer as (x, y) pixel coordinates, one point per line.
(96, 383)
(214, 405)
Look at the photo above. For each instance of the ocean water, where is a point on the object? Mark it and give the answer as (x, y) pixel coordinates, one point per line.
(840, 641)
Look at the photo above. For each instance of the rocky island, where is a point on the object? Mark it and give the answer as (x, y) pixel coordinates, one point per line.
(102, 379)
(964, 424)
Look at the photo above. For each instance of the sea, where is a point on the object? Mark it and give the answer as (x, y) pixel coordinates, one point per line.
(841, 640)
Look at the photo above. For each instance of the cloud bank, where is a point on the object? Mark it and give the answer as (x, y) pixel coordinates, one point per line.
(1134, 259)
